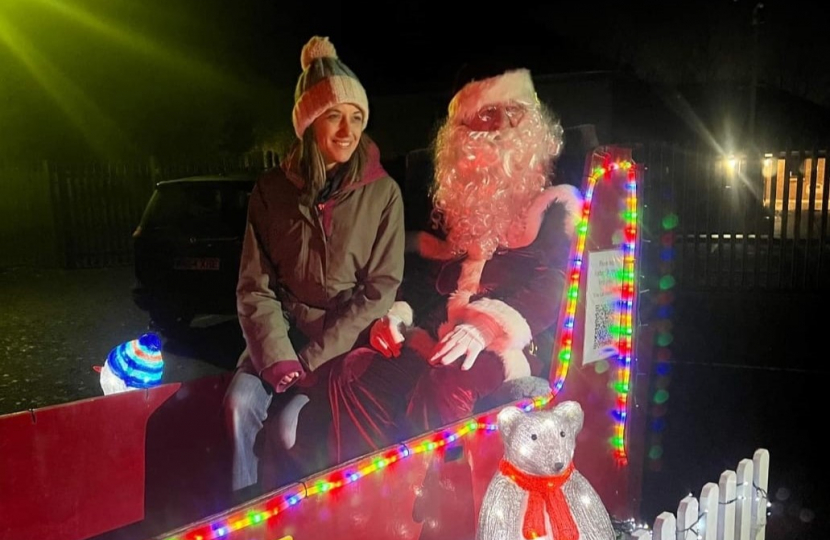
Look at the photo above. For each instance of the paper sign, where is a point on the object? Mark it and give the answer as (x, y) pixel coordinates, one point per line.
(601, 299)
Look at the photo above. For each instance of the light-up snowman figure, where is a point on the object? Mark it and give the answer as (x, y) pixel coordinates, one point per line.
(131, 365)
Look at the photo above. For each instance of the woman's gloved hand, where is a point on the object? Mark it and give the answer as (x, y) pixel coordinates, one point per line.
(386, 335)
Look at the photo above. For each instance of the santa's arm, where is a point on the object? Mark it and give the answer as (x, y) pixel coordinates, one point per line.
(535, 305)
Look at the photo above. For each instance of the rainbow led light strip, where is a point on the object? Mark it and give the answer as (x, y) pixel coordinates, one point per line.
(349, 474)
(625, 329)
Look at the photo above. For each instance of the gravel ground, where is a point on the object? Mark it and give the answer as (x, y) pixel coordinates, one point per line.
(55, 325)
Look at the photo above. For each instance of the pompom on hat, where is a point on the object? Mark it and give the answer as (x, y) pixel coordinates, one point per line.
(325, 82)
(478, 84)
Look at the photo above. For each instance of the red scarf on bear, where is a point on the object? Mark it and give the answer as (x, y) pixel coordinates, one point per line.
(544, 493)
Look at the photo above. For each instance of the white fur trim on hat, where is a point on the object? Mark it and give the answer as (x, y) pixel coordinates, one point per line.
(325, 94)
(515, 85)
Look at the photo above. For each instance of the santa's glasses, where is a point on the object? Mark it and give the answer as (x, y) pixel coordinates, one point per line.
(498, 116)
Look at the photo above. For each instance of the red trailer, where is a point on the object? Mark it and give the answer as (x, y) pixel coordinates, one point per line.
(134, 465)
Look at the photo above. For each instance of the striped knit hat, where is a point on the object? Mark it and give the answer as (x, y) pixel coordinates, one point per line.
(138, 362)
(324, 83)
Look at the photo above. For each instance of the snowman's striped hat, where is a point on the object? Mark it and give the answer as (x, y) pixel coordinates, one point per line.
(138, 362)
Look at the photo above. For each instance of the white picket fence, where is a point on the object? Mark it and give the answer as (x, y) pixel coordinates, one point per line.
(733, 509)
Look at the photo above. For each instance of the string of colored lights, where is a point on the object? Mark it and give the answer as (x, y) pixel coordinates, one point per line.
(348, 474)
(575, 273)
(628, 291)
(624, 331)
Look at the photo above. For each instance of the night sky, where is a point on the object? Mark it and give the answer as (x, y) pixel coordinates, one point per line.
(119, 78)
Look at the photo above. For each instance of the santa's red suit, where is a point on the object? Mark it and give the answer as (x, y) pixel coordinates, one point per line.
(491, 280)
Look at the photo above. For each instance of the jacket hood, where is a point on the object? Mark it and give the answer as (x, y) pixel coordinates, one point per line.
(374, 170)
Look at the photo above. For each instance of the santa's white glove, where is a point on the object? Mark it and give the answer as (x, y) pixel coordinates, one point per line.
(464, 340)
(386, 335)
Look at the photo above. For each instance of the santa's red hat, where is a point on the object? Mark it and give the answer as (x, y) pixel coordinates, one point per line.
(480, 84)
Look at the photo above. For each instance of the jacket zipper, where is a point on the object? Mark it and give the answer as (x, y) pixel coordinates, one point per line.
(320, 215)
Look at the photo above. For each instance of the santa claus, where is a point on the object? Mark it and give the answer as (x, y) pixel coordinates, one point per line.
(498, 259)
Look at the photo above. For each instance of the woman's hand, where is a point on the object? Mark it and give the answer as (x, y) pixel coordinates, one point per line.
(287, 381)
(386, 335)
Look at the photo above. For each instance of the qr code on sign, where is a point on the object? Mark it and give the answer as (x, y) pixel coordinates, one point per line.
(602, 325)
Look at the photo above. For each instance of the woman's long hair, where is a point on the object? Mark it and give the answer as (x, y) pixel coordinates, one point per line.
(306, 160)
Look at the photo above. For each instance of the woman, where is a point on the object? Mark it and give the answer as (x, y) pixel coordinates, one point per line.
(322, 258)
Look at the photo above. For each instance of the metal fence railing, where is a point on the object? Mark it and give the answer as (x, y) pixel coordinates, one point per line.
(744, 221)
(83, 215)
(734, 222)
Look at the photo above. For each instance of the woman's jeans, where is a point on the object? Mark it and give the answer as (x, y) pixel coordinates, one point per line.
(246, 408)
(247, 404)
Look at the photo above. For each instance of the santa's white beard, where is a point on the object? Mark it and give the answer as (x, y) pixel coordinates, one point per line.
(485, 181)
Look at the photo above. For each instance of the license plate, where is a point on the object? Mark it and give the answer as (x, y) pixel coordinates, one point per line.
(192, 263)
